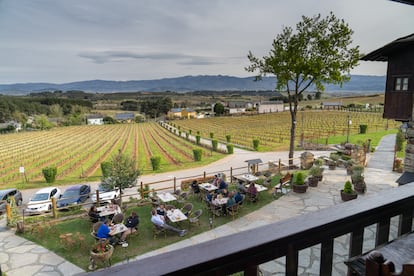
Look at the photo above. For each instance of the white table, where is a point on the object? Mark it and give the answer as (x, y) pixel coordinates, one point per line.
(108, 210)
(166, 197)
(176, 215)
(220, 201)
(117, 229)
(260, 188)
(247, 177)
(208, 187)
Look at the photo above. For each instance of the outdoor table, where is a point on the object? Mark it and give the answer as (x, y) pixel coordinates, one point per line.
(176, 215)
(220, 201)
(166, 197)
(208, 187)
(117, 229)
(108, 210)
(260, 188)
(246, 177)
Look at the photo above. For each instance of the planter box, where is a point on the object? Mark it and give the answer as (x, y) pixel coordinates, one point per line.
(313, 181)
(347, 197)
(299, 188)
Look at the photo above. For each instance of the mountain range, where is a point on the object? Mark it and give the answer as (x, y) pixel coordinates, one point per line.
(358, 83)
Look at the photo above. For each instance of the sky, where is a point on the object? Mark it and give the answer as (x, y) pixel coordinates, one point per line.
(63, 41)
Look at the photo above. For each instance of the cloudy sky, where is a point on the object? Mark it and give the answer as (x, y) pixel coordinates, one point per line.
(72, 40)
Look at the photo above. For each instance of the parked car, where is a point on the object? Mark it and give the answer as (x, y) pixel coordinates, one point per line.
(74, 195)
(42, 200)
(5, 197)
(105, 194)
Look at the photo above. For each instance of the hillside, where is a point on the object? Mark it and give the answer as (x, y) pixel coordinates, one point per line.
(358, 83)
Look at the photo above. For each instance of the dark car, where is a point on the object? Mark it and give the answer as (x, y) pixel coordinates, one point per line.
(5, 197)
(74, 195)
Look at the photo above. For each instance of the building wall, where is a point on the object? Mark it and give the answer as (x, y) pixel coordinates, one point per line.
(269, 108)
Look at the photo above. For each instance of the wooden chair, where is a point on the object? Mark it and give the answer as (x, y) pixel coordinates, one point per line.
(284, 184)
(233, 210)
(118, 218)
(96, 226)
(182, 198)
(157, 230)
(252, 197)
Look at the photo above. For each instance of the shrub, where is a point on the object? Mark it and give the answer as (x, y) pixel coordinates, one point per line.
(214, 144)
(230, 148)
(399, 140)
(228, 138)
(299, 179)
(315, 170)
(256, 144)
(187, 135)
(197, 154)
(211, 135)
(50, 174)
(348, 188)
(198, 138)
(155, 162)
(105, 168)
(363, 129)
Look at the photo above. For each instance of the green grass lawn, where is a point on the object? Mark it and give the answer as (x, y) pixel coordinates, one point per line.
(48, 236)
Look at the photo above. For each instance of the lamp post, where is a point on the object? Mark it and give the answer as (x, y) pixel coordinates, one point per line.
(349, 124)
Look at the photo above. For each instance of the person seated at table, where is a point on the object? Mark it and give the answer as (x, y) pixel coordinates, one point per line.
(103, 231)
(132, 223)
(210, 196)
(159, 221)
(224, 192)
(195, 187)
(238, 197)
(222, 185)
(230, 202)
(215, 181)
(161, 210)
(252, 191)
(241, 187)
(94, 214)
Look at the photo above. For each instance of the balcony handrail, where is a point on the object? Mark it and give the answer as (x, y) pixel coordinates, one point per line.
(245, 250)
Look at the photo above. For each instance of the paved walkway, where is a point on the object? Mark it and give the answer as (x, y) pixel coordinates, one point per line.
(21, 257)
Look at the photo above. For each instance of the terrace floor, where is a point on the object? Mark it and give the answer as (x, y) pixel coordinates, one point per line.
(378, 175)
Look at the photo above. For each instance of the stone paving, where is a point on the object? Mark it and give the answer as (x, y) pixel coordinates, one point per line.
(21, 257)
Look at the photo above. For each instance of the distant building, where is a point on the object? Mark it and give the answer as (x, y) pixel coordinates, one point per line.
(17, 126)
(181, 113)
(270, 106)
(332, 105)
(236, 107)
(125, 117)
(94, 119)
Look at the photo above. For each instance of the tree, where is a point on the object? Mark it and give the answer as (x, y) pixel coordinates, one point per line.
(122, 172)
(318, 53)
(219, 108)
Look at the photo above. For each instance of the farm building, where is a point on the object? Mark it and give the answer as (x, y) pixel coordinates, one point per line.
(181, 113)
(332, 105)
(399, 90)
(236, 107)
(269, 106)
(17, 126)
(125, 117)
(94, 119)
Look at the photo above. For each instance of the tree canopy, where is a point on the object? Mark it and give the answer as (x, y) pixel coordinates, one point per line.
(318, 52)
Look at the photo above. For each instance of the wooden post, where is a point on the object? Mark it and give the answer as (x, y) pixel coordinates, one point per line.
(142, 190)
(8, 212)
(175, 183)
(231, 174)
(54, 208)
(205, 176)
(97, 198)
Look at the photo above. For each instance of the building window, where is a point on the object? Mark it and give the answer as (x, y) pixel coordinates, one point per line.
(401, 84)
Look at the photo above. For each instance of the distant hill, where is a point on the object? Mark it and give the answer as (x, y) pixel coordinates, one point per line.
(358, 83)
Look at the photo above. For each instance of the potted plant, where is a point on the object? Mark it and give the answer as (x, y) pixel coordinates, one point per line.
(332, 163)
(349, 165)
(348, 193)
(101, 252)
(299, 185)
(316, 175)
(358, 180)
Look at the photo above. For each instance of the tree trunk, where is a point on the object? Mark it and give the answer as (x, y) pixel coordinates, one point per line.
(293, 100)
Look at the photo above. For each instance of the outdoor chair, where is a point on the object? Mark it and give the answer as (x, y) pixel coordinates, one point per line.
(233, 210)
(215, 210)
(187, 209)
(252, 197)
(169, 207)
(155, 202)
(96, 226)
(182, 198)
(118, 218)
(157, 230)
(194, 218)
(177, 192)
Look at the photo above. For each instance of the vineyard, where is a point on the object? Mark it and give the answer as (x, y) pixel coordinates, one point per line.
(77, 152)
(273, 129)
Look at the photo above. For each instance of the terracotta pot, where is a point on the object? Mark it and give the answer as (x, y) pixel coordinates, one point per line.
(346, 196)
(102, 257)
(299, 188)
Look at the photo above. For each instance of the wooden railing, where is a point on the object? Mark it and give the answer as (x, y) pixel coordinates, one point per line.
(246, 250)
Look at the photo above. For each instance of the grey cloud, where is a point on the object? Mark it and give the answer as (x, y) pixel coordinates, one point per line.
(112, 56)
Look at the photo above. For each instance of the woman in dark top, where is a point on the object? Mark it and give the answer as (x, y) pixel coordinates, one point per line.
(93, 214)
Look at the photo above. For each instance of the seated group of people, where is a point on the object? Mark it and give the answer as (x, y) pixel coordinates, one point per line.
(131, 224)
(234, 197)
(159, 219)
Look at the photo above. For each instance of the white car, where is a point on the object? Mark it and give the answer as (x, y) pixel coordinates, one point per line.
(105, 194)
(42, 200)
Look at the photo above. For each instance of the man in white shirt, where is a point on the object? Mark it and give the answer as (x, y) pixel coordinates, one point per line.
(160, 222)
